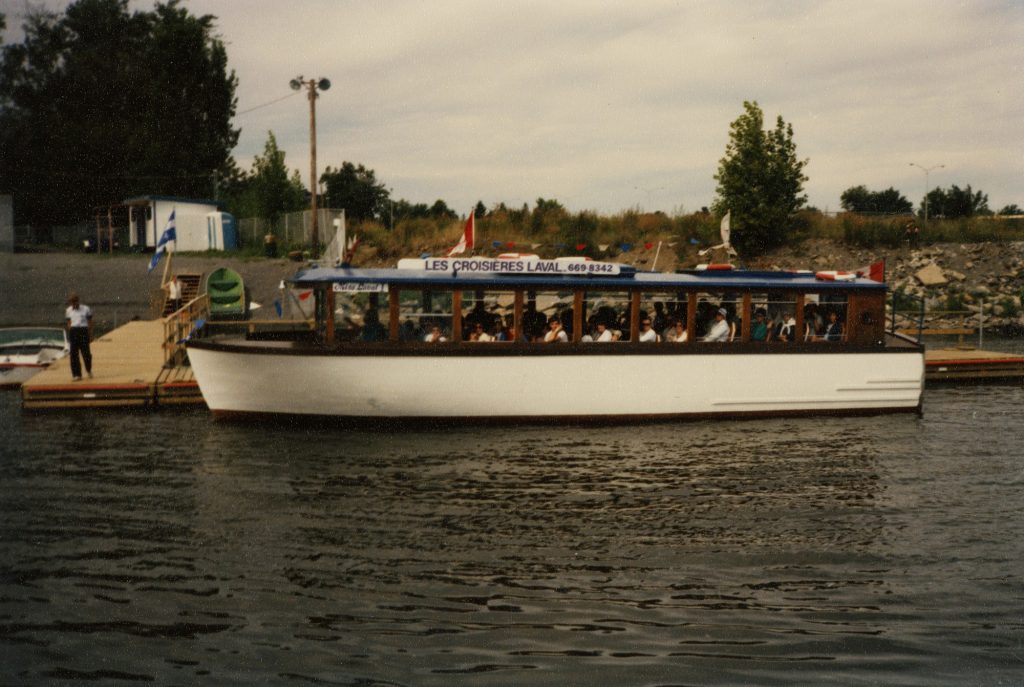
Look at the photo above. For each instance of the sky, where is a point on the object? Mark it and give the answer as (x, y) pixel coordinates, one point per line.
(610, 106)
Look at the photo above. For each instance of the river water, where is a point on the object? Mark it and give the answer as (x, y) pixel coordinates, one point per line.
(166, 548)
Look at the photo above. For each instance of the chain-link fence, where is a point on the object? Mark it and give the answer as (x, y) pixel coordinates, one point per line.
(72, 237)
(293, 229)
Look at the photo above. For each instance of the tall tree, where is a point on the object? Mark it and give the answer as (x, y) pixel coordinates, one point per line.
(860, 199)
(956, 202)
(760, 181)
(99, 103)
(356, 189)
(268, 191)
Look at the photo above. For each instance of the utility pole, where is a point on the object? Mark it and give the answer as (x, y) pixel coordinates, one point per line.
(313, 85)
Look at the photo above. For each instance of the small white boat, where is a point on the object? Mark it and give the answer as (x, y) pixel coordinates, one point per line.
(27, 351)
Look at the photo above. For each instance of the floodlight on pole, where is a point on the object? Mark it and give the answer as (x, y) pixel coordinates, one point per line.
(926, 171)
(313, 85)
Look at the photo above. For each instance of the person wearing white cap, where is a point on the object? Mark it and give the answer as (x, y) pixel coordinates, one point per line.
(720, 329)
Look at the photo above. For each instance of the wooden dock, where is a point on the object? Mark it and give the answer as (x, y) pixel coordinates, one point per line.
(970, 365)
(128, 371)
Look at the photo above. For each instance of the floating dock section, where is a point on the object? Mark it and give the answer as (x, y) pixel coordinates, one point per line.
(128, 368)
(969, 365)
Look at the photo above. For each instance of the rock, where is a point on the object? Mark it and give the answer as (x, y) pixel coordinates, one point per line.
(931, 275)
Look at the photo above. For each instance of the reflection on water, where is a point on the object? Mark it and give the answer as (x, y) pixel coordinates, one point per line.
(167, 548)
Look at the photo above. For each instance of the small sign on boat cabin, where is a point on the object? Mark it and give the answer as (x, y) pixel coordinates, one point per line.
(349, 287)
(570, 266)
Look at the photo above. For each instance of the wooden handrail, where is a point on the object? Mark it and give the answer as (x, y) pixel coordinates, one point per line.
(180, 324)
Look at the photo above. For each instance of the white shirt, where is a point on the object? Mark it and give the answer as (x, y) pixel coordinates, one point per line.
(560, 335)
(672, 337)
(606, 335)
(79, 317)
(648, 337)
(719, 331)
(173, 290)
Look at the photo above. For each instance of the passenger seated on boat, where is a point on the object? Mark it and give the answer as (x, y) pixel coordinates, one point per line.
(786, 330)
(834, 328)
(761, 327)
(603, 334)
(616, 335)
(480, 334)
(434, 335)
(373, 330)
(408, 331)
(813, 322)
(533, 322)
(647, 333)
(660, 320)
(555, 333)
(719, 331)
(676, 333)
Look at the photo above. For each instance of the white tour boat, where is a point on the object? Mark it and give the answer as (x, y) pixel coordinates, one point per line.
(27, 351)
(521, 339)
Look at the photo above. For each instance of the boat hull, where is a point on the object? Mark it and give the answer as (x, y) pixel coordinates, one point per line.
(27, 351)
(259, 379)
(13, 375)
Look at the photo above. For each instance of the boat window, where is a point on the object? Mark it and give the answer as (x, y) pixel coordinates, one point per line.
(665, 310)
(359, 316)
(605, 311)
(425, 315)
(709, 306)
(488, 315)
(825, 316)
(768, 314)
(780, 315)
(541, 306)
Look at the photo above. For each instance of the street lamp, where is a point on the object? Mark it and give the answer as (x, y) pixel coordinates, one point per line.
(926, 170)
(313, 85)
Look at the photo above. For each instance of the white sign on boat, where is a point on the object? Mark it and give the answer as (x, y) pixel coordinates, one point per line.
(509, 266)
(349, 287)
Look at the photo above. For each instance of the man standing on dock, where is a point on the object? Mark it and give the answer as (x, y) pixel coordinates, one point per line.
(78, 320)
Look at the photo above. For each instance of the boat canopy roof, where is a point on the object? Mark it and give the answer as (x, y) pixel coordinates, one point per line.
(626, 278)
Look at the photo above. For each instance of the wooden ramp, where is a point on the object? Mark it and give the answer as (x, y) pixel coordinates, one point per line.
(128, 371)
(971, 365)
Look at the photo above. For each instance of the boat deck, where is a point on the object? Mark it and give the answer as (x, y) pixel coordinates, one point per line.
(128, 370)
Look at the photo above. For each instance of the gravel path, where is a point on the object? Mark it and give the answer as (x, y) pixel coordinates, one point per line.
(34, 286)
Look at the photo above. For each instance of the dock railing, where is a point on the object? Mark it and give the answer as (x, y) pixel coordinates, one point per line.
(185, 322)
(916, 321)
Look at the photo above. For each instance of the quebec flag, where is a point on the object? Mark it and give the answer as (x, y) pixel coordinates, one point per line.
(161, 247)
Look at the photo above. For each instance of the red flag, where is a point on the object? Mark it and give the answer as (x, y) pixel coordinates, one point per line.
(468, 237)
(305, 295)
(875, 271)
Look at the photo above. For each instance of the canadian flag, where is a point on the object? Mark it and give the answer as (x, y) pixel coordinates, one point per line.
(875, 271)
(468, 237)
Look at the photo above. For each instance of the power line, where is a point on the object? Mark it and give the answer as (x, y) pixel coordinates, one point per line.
(276, 100)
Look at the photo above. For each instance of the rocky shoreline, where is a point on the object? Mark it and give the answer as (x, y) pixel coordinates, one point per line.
(983, 279)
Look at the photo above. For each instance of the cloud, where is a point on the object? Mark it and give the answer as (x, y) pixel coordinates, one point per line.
(609, 106)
